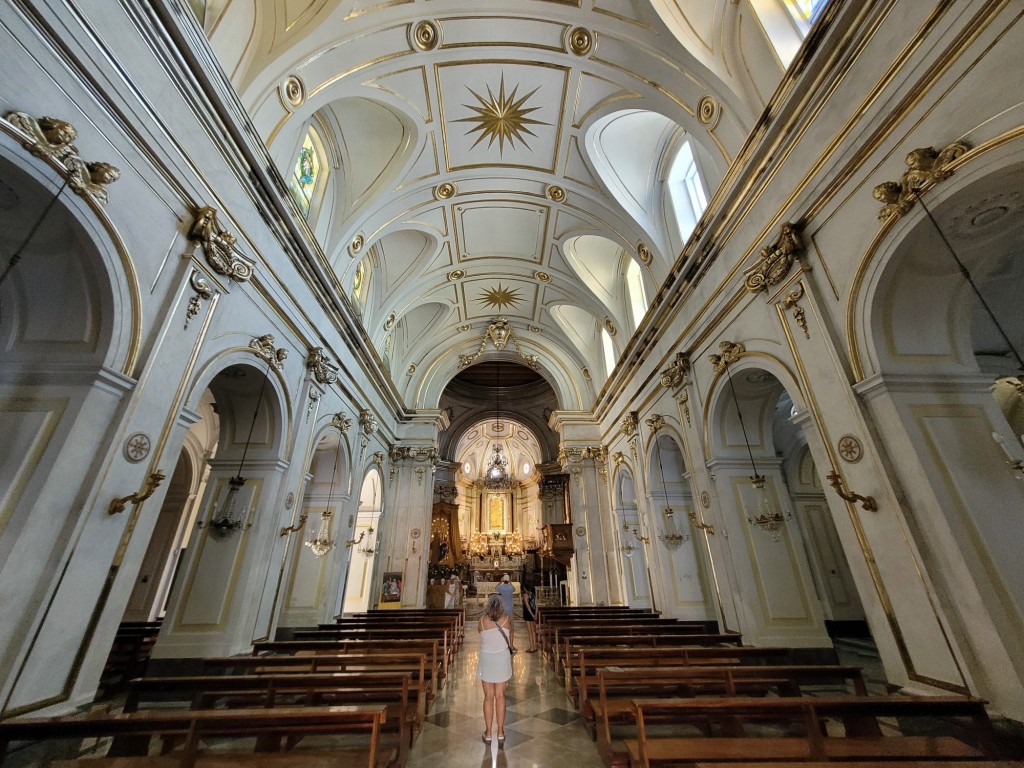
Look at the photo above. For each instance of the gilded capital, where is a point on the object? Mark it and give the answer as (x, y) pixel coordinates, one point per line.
(629, 423)
(341, 422)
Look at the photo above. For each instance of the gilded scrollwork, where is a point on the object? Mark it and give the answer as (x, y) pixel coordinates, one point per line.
(677, 371)
(499, 333)
(730, 353)
(619, 458)
(218, 246)
(320, 365)
(629, 423)
(775, 261)
(263, 347)
(799, 315)
(341, 422)
(926, 166)
(655, 422)
(367, 421)
(203, 293)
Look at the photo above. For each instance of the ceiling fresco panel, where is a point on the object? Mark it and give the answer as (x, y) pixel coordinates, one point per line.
(501, 113)
(477, 31)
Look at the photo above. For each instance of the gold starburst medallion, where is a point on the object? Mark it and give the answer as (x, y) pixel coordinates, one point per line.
(501, 117)
(500, 297)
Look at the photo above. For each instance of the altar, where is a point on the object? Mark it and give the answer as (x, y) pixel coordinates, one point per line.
(485, 588)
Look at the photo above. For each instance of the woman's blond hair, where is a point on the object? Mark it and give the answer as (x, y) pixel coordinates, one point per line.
(494, 609)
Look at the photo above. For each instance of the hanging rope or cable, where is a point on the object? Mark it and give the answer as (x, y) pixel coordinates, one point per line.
(334, 474)
(252, 426)
(967, 276)
(28, 238)
(661, 469)
(739, 413)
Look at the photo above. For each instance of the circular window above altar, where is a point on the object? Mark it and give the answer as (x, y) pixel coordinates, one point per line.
(526, 468)
(467, 468)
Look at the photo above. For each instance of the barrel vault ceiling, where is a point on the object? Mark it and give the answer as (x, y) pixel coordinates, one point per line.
(491, 160)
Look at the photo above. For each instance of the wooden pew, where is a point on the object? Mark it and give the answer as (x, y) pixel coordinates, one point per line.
(863, 738)
(394, 690)
(547, 635)
(424, 678)
(455, 616)
(334, 647)
(589, 659)
(190, 728)
(129, 654)
(571, 644)
(871, 764)
(443, 636)
(615, 689)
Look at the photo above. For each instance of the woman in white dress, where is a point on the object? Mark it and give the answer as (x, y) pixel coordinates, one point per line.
(495, 666)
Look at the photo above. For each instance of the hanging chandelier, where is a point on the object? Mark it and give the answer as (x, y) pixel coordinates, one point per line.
(322, 543)
(496, 476)
(767, 519)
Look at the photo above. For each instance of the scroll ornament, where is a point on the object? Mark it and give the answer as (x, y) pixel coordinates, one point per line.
(218, 246)
(629, 423)
(51, 139)
(263, 347)
(926, 166)
(320, 365)
(730, 353)
(341, 422)
(499, 332)
(677, 371)
(776, 260)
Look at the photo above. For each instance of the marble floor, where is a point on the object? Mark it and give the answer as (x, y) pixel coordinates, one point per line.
(542, 730)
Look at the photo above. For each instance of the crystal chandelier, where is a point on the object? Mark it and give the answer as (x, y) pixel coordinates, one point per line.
(322, 543)
(496, 476)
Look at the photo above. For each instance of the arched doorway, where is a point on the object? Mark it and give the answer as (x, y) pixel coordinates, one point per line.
(359, 591)
(633, 559)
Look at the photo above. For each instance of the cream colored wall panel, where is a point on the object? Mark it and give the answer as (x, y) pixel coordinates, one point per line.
(27, 425)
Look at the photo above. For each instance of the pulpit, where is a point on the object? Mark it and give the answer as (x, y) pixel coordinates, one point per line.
(558, 542)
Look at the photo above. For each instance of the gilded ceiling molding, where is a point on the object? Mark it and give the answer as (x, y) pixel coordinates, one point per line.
(499, 332)
(320, 365)
(677, 371)
(776, 260)
(708, 111)
(731, 352)
(555, 193)
(356, 245)
(456, 274)
(263, 347)
(203, 293)
(341, 422)
(218, 246)
(579, 41)
(424, 35)
(293, 90)
(926, 167)
(51, 139)
(629, 423)
(644, 253)
(445, 190)
(610, 326)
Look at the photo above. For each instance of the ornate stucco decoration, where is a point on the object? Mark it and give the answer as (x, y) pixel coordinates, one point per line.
(378, 458)
(926, 167)
(320, 365)
(263, 347)
(314, 398)
(367, 421)
(51, 139)
(619, 458)
(730, 353)
(655, 422)
(684, 401)
(579, 41)
(776, 260)
(398, 453)
(677, 371)
(447, 493)
(499, 333)
(633, 448)
(629, 423)
(424, 35)
(203, 293)
(218, 246)
(341, 422)
(799, 315)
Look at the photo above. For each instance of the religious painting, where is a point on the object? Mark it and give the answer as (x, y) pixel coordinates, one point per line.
(391, 588)
(496, 513)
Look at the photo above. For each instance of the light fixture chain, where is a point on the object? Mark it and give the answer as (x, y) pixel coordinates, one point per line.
(739, 414)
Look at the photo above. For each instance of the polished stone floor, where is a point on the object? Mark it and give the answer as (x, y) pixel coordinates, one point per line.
(542, 730)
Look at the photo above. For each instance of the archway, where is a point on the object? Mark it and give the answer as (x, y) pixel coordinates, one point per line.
(633, 559)
(359, 592)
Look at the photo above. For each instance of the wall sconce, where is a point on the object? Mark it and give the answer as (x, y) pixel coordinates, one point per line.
(701, 525)
(297, 527)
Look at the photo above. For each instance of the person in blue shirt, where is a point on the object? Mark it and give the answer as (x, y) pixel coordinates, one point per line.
(506, 591)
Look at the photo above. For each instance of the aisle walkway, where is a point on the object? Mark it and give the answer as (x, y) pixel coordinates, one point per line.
(542, 730)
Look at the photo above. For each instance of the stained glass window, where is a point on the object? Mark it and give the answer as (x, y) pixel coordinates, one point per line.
(304, 177)
(807, 9)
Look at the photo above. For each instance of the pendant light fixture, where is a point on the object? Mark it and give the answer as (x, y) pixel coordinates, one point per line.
(496, 477)
(322, 543)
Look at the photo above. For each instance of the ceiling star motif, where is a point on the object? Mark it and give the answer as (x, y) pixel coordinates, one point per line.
(500, 297)
(501, 117)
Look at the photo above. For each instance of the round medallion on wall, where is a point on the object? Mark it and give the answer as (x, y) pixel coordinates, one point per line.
(294, 91)
(415, 533)
(137, 447)
(705, 499)
(424, 35)
(644, 253)
(610, 326)
(356, 245)
(411, 369)
(542, 277)
(707, 109)
(456, 274)
(445, 191)
(586, 374)
(581, 531)
(389, 323)
(464, 328)
(580, 41)
(850, 449)
(533, 329)
(289, 500)
(555, 193)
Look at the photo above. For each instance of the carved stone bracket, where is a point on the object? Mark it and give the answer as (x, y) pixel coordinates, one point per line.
(925, 167)
(447, 493)
(655, 422)
(378, 458)
(341, 422)
(367, 421)
(51, 139)
(203, 293)
(799, 316)
(684, 401)
(323, 370)
(730, 353)
(218, 246)
(619, 458)
(629, 423)
(263, 347)
(677, 371)
(499, 332)
(776, 260)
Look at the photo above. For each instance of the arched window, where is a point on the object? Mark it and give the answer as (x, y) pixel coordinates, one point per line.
(686, 190)
(786, 23)
(636, 292)
(609, 351)
(307, 173)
